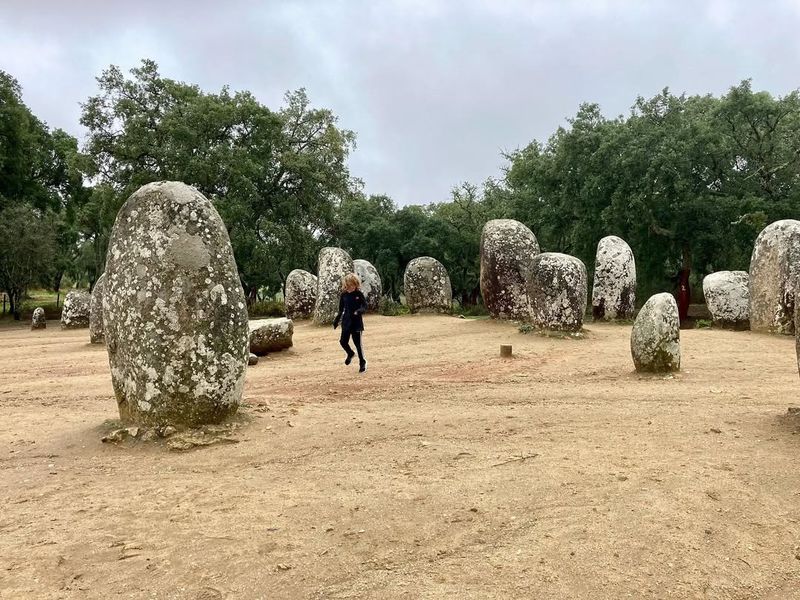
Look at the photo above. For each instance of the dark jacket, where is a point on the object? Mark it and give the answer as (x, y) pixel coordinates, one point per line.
(351, 306)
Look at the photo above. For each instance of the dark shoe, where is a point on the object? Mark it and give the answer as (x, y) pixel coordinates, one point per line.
(349, 358)
(363, 367)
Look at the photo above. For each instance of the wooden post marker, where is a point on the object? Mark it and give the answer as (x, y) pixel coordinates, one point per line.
(505, 350)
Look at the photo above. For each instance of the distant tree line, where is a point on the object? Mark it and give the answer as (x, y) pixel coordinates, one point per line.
(688, 181)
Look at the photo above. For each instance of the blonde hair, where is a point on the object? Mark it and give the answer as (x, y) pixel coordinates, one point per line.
(351, 279)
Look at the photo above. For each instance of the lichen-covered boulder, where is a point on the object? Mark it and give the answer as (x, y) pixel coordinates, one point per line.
(96, 335)
(727, 295)
(614, 286)
(507, 251)
(38, 320)
(301, 294)
(426, 286)
(558, 292)
(174, 311)
(371, 285)
(270, 335)
(334, 264)
(655, 337)
(774, 266)
(76, 310)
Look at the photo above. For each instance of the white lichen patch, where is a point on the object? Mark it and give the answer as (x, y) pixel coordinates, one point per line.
(426, 286)
(558, 291)
(774, 269)
(614, 287)
(334, 264)
(727, 295)
(507, 251)
(371, 285)
(177, 345)
(655, 337)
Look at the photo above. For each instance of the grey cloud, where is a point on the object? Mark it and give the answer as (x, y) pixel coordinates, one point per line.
(435, 90)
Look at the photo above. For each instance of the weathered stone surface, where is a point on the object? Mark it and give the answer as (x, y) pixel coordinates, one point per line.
(655, 337)
(426, 286)
(334, 264)
(774, 266)
(173, 310)
(727, 295)
(252, 360)
(301, 294)
(507, 251)
(270, 335)
(76, 310)
(38, 320)
(371, 285)
(96, 335)
(614, 286)
(558, 291)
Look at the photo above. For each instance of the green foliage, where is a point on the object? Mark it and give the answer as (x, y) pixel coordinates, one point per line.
(703, 324)
(267, 308)
(26, 250)
(688, 182)
(391, 308)
(276, 177)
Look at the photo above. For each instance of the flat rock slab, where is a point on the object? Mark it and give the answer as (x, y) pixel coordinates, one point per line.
(270, 335)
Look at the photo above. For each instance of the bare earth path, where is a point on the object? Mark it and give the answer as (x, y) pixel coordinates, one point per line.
(445, 472)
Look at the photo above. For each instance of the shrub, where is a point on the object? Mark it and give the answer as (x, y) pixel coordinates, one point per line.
(390, 308)
(267, 308)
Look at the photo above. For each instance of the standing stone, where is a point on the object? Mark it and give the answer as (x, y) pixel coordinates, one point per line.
(614, 287)
(507, 251)
(96, 335)
(173, 310)
(76, 310)
(334, 264)
(270, 335)
(558, 291)
(727, 295)
(301, 294)
(655, 337)
(426, 286)
(774, 266)
(39, 320)
(371, 285)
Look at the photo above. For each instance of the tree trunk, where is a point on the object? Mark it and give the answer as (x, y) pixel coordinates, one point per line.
(684, 291)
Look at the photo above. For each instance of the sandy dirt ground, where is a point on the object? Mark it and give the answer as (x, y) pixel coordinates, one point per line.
(444, 472)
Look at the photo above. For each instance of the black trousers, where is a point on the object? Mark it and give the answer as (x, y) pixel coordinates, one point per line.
(345, 342)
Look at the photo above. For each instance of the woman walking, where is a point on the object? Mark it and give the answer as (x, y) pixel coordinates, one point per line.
(352, 306)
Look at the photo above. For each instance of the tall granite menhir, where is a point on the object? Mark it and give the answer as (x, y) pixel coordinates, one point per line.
(173, 310)
(334, 264)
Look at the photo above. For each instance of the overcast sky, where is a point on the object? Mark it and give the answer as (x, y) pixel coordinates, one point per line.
(435, 90)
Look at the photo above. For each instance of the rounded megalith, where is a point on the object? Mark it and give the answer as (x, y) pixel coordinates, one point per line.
(301, 294)
(727, 295)
(655, 337)
(507, 251)
(174, 311)
(558, 292)
(96, 335)
(76, 310)
(38, 320)
(270, 335)
(426, 286)
(774, 265)
(614, 286)
(252, 360)
(371, 285)
(334, 264)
